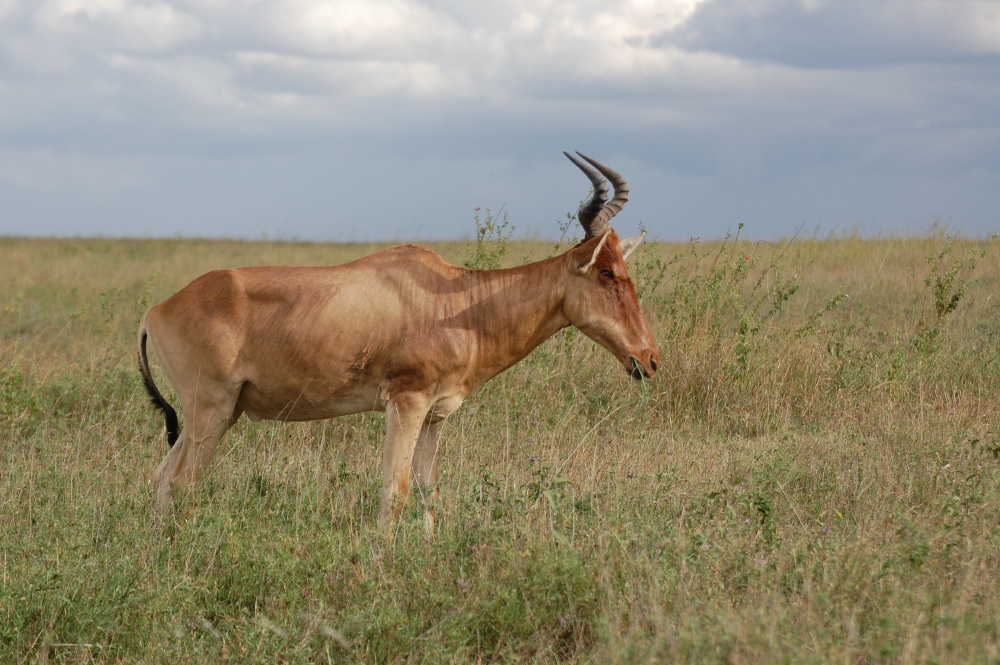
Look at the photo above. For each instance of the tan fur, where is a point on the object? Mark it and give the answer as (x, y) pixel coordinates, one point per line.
(399, 331)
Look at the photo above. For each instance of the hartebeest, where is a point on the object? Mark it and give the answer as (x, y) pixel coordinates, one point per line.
(399, 331)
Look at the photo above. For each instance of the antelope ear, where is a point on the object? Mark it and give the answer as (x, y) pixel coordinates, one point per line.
(583, 263)
(628, 245)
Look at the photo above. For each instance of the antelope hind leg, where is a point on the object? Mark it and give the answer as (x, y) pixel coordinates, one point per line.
(193, 449)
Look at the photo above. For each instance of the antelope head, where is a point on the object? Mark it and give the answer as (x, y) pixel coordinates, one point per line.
(602, 301)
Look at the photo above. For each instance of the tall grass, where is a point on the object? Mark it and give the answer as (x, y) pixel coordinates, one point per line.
(812, 476)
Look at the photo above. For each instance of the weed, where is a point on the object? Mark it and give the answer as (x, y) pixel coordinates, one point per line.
(491, 243)
(948, 281)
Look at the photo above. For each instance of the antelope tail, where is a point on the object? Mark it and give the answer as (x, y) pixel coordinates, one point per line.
(159, 401)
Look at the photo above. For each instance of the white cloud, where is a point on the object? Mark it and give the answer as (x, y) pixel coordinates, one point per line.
(353, 78)
(375, 29)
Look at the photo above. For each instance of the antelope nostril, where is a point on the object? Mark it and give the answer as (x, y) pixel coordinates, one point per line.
(652, 364)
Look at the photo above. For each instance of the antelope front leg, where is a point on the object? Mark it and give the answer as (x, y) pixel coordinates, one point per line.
(425, 472)
(404, 417)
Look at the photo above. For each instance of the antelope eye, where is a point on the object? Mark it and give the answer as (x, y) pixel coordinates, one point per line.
(608, 274)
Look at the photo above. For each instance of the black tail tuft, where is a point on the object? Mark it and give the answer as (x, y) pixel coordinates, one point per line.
(158, 400)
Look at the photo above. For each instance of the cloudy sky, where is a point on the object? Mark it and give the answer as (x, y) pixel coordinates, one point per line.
(395, 119)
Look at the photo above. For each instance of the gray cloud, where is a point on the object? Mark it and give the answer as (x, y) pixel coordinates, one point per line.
(394, 118)
(837, 34)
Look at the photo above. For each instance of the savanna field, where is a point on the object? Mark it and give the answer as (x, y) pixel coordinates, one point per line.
(813, 476)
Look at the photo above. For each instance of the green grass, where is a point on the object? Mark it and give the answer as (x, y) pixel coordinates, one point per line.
(812, 477)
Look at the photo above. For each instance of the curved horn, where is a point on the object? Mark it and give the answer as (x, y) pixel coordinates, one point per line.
(598, 211)
(589, 210)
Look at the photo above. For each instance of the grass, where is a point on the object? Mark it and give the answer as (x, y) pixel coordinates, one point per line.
(812, 477)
